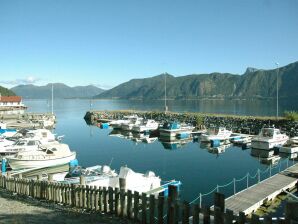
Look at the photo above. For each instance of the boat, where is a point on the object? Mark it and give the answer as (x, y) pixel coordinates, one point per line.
(172, 129)
(126, 119)
(104, 176)
(219, 134)
(261, 153)
(133, 122)
(268, 139)
(6, 132)
(146, 126)
(45, 156)
(291, 146)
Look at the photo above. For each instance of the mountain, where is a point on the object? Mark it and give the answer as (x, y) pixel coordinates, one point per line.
(254, 83)
(60, 91)
(6, 92)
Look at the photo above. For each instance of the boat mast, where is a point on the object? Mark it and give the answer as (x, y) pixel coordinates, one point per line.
(52, 99)
(166, 108)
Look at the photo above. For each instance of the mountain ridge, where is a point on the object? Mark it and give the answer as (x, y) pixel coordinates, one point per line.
(253, 84)
(61, 90)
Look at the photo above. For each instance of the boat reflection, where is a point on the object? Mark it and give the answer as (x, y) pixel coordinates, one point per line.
(174, 143)
(215, 150)
(265, 156)
(134, 136)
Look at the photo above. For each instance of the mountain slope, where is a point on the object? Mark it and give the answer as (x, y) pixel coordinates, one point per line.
(6, 92)
(60, 91)
(254, 83)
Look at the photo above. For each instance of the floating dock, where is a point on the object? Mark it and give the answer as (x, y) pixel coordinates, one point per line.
(250, 199)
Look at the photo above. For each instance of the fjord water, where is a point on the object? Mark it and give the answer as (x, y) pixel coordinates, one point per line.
(197, 168)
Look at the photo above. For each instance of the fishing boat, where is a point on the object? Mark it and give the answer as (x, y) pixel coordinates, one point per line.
(45, 156)
(173, 129)
(291, 146)
(126, 119)
(219, 134)
(269, 138)
(133, 122)
(146, 126)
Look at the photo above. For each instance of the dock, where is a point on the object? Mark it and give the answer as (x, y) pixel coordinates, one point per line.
(250, 199)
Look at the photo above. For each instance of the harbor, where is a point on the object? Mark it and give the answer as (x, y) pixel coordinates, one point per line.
(186, 139)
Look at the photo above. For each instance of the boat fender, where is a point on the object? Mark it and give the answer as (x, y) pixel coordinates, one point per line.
(3, 165)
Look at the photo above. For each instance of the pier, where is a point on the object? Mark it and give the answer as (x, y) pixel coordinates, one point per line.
(250, 199)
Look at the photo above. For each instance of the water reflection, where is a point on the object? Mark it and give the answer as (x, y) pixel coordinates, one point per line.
(175, 143)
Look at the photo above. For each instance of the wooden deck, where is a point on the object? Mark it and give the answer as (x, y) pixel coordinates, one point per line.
(252, 198)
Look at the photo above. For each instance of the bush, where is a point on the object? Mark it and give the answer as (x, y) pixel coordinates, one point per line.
(291, 115)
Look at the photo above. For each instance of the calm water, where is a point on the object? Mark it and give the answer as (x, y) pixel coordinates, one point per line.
(197, 168)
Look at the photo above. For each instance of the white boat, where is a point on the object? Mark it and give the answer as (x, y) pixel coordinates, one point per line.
(148, 125)
(172, 129)
(291, 146)
(133, 122)
(105, 177)
(125, 120)
(220, 134)
(5, 142)
(51, 155)
(268, 139)
(19, 146)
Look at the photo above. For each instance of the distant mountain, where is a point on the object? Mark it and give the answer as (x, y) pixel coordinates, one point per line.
(254, 83)
(60, 91)
(6, 92)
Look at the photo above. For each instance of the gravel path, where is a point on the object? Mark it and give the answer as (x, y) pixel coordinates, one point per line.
(19, 209)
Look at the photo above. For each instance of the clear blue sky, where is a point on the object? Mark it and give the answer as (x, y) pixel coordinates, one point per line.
(105, 43)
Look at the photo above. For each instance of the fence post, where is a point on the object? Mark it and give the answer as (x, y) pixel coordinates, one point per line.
(255, 219)
(129, 204)
(218, 215)
(219, 201)
(122, 203)
(151, 209)
(288, 162)
(186, 212)
(259, 176)
(247, 180)
(229, 216)
(117, 197)
(291, 212)
(241, 218)
(144, 208)
(160, 209)
(111, 200)
(270, 170)
(82, 180)
(217, 188)
(136, 205)
(173, 193)
(196, 214)
(268, 219)
(206, 212)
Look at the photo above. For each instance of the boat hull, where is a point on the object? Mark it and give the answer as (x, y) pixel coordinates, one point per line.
(24, 164)
(267, 145)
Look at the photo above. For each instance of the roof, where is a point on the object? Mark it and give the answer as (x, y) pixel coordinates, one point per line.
(10, 99)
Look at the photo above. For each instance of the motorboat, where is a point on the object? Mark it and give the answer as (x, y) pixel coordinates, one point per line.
(133, 122)
(6, 132)
(20, 145)
(45, 156)
(220, 134)
(269, 138)
(126, 119)
(172, 129)
(147, 125)
(291, 146)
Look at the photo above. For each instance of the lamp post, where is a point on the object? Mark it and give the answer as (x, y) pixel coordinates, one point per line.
(276, 63)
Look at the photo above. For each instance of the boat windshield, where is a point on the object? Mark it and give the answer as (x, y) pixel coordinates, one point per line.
(267, 132)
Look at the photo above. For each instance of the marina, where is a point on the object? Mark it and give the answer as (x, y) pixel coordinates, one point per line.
(159, 145)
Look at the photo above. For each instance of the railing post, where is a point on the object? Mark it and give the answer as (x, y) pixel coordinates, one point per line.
(234, 185)
(259, 176)
(247, 180)
(217, 188)
(200, 200)
(219, 201)
(288, 162)
(270, 169)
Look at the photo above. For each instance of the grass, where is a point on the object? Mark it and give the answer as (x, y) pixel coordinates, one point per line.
(291, 115)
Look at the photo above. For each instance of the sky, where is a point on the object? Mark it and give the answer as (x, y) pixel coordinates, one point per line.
(108, 42)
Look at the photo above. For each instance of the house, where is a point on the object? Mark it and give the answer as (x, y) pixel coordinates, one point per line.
(11, 102)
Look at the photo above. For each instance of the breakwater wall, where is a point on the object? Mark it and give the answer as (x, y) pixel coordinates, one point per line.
(240, 124)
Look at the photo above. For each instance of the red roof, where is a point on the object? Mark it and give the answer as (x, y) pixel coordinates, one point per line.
(10, 99)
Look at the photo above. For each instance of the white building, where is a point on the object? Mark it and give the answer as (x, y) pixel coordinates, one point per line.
(11, 102)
